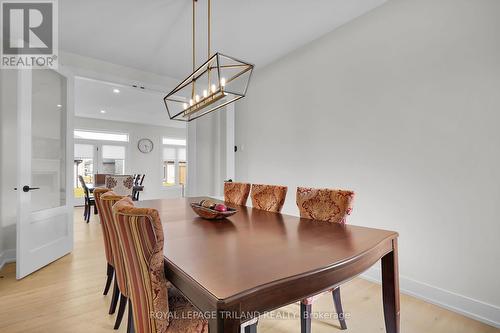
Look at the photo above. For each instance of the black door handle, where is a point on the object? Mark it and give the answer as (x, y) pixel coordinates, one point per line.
(26, 188)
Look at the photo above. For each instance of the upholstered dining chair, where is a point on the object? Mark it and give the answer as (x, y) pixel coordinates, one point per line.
(268, 197)
(328, 205)
(98, 192)
(106, 202)
(121, 185)
(141, 239)
(89, 200)
(236, 193)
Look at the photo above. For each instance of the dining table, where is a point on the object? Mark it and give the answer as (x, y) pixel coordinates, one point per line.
(255, 261)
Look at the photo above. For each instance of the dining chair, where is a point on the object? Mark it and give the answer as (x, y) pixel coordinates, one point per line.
(268, 197)
(98, 192)
(89, 200)
(236, 193)
(141, 238)
(121, 185)
(107, 200)
(138, 182)
(328, 205)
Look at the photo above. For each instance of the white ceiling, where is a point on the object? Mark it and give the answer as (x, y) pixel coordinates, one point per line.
(130, 105)
(155, 35)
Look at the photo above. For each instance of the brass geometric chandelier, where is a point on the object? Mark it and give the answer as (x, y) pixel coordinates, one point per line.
(221, 80)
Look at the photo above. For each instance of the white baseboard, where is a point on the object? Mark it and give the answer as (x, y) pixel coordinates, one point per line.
(480, 311)
(7, 256)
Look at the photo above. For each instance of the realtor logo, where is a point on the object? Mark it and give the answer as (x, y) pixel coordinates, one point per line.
(29, 34)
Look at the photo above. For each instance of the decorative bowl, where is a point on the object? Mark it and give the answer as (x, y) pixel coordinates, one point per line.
(211, 214)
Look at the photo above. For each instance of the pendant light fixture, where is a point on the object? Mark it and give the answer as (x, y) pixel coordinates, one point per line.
(221, 80)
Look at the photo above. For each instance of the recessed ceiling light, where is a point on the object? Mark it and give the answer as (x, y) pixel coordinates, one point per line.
(59, 105)
(116, 91)
(103, 111)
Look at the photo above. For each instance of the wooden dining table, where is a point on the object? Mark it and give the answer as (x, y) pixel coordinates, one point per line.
(256, 261)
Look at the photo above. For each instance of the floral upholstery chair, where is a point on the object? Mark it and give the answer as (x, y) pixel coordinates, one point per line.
(236, 193)
(268, 197)
(121, 185)
(330, 206)
(107, 200)
(98, 192)
(141, 239)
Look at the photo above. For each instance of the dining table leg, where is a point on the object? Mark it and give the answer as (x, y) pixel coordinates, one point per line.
(390, 289)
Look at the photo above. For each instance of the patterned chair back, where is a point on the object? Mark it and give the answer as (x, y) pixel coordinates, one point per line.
(98, 192)
(328, 205)
(140, 235)
(121, 185)
(236, 193)
(107, 200)
(268, 197)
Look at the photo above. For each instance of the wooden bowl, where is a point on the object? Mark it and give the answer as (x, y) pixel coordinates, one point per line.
(211, 214)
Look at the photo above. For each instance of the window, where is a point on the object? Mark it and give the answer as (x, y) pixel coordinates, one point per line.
(84, 166)
(113, 159)
(103, 136)
(174, 161)
(174, 142)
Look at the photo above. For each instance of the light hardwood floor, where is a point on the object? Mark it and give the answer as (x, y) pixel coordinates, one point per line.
(66, 296)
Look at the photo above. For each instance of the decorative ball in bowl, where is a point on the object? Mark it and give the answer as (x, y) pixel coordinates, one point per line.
(210, 210)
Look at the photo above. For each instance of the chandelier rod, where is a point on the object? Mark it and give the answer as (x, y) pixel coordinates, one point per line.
(209, 26)
(194, 35)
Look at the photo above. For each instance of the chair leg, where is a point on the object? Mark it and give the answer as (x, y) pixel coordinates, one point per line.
(338, 307)
(87, 214)
(85, 211)
(95, 209)
(121, 310)
(251, 328)
(130, 324)
(109, 272)
(114, 299)
(305, 317)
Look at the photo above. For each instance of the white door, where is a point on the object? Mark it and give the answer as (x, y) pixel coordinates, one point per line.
(45, 169)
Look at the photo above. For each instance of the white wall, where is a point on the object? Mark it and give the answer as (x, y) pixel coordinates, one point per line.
(211, 153)
(402, 106)
(137, 162)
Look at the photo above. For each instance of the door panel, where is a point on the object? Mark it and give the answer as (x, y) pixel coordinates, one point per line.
(45, 217)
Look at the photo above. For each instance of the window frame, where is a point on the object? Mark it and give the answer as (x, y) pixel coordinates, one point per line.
(125, 141)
